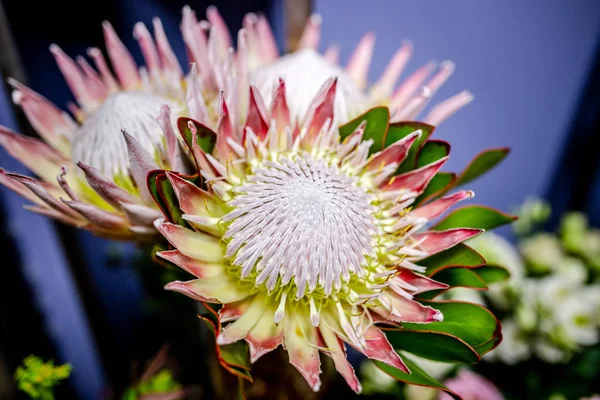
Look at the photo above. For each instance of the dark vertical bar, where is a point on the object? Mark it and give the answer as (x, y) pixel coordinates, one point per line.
(573, 178)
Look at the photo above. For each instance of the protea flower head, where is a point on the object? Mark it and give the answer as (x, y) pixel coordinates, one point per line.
(119, 129)
(306, 234)
(259, 67)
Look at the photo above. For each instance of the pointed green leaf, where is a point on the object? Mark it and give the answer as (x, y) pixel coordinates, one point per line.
(436, 187)
(432, 151)
(416, 377)
(234, 357)
(378, 119)
(164, 196)
(492, 273)
(205, 137)
(437, 346)
(472, 323)
(460, 255)
(460, 277)
(474, 216)
(455, 277)
(399, 130)
(482, 163)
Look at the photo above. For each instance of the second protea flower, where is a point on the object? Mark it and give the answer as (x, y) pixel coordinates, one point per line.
(307, 238)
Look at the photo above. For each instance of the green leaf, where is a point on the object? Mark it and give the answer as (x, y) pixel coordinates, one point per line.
(164, 195)
(460, 277)
(205, 137)
(416, 377)
(437, 346)
(482, 163)
(378, 119)
(436, 187)
(399, 130)
(234, 357)
(474, 216)
(432, 151)
(460, 255)
(472, 323)
(492, 273)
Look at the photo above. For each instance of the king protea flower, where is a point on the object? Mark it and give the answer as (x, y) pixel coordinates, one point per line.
(119, 130)
(306, 238)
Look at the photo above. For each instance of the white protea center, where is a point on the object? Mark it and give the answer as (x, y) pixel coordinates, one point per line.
(304, 72)
(99, 141)
(301, 218)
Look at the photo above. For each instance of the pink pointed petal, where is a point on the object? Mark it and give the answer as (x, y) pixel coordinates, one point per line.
(408, 87)
(268, 43)
(415, 105)
(312, 33)
(266, 336)
(140, 215)
(358, 66)
(110, 192)
(335, 350)
(146, 43)
(280, 111)
(304, 356)
(448, 107)
(105, 74)
(240, 328)
(195, 267)
(433, 242)
(40, 158)
(18, 187)
(221, 289)
(53, 125)
(168, 60)
(195, 99)
(95, 86)
(242, 62)
(141, 163)
(73, 76)
(440, 206)
(121, 59)
(99, 217)
(175, 155)
(332, 54)
(441, 76)
(224, 132)
(420, 282)
(37, 189)
(194, 37)
(385, 85)
(57, 215)
(195, 201)
(396, 153)
(379, 348)
(219, 26)
(405, 310)
(416, 180)
(257, 114)
(193, 244)
(321, 108)
(232, 311)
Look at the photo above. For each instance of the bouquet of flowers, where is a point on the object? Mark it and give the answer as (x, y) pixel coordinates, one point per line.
(307, 208)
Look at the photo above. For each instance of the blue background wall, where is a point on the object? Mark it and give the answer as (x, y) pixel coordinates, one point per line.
(525, 61)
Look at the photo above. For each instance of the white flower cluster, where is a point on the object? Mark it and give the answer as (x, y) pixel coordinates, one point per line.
(551, 302)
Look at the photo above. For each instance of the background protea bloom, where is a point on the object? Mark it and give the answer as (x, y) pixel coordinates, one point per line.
(261, 64)
(108, 193)
(307, 237)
